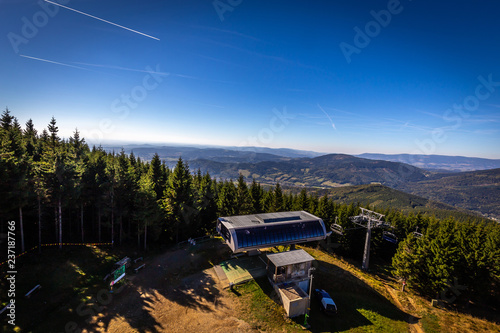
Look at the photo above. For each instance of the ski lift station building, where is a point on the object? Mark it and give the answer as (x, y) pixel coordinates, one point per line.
(253, 232)
(290, 274)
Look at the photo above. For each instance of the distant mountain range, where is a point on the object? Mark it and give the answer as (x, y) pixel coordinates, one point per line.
(433, 177)
(478, 191)
(438, 162)
(170, 154)
(234, 154)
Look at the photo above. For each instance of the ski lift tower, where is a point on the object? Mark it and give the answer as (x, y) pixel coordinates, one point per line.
(369, 220)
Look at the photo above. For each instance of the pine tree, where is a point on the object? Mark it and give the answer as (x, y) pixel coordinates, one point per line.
(278, 205)
(227, 199)
(53, 130)
(207, 204)
(157, 176)
(6, 120)
(325, 210)
(112, 181)
(78, 145)
(60, 175)
(268, 201)
(14, 166)
(148, 214)
(256, 194)
(40, 188)
(244, 205)
(99, 185)
(30, 135)
(313, 204)
(178, 201)
(405, 261)
(302, 201)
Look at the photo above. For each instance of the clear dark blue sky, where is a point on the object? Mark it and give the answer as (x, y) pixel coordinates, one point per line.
(318, 75)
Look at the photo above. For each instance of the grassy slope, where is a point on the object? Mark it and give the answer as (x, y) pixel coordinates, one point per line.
(72, 276)
(366, 303)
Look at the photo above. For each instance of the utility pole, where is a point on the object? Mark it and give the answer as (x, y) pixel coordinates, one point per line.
(311, 270)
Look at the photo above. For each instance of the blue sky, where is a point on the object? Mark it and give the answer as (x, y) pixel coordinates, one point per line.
(330, 76)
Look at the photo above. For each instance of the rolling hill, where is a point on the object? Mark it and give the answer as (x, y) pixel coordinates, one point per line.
(323, 171)
(383, 197)
(478, 191)
(438, 162)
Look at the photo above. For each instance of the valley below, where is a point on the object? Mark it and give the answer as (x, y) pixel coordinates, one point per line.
(371, 181)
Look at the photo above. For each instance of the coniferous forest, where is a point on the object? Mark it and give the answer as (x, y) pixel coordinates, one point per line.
(61, 190)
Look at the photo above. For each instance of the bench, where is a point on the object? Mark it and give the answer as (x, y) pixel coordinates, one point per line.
(138, 268)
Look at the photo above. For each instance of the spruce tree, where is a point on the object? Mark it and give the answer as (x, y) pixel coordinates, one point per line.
(244, 205)
(227, 200)
(256, 194)
(178, 201)
(278, 205)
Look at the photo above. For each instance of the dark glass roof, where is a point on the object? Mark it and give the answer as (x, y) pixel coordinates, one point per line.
(278, 233)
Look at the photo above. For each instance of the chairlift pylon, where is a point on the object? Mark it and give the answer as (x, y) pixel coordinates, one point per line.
(368, 219)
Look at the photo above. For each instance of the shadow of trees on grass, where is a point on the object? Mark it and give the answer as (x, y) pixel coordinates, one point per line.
(358, 303)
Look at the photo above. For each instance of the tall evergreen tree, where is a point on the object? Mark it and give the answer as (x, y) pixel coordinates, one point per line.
(256, 194)
(227, 199)
(207, 204)
(244, 205)
(278, 204)
(302, 201)
(178, 201)
(53, 130)
(158, 176)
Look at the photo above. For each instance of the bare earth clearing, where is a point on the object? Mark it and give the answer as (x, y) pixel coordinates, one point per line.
(179, 291)
(160, 299)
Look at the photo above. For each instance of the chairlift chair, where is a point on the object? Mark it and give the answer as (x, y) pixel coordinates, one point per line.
(337, 228)
(417, 234)
(390, 237)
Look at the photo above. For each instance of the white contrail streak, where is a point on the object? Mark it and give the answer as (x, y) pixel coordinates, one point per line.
(143, 71)
(123, 68)
(333, 125)
(53, 62)
(100, 19)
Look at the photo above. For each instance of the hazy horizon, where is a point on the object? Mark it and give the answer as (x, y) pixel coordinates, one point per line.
(119, 144)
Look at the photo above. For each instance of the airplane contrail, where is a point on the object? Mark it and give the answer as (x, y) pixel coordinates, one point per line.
(53, 62)
(122, 68)
(333, 125)
(144, 71)
(100, 19)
